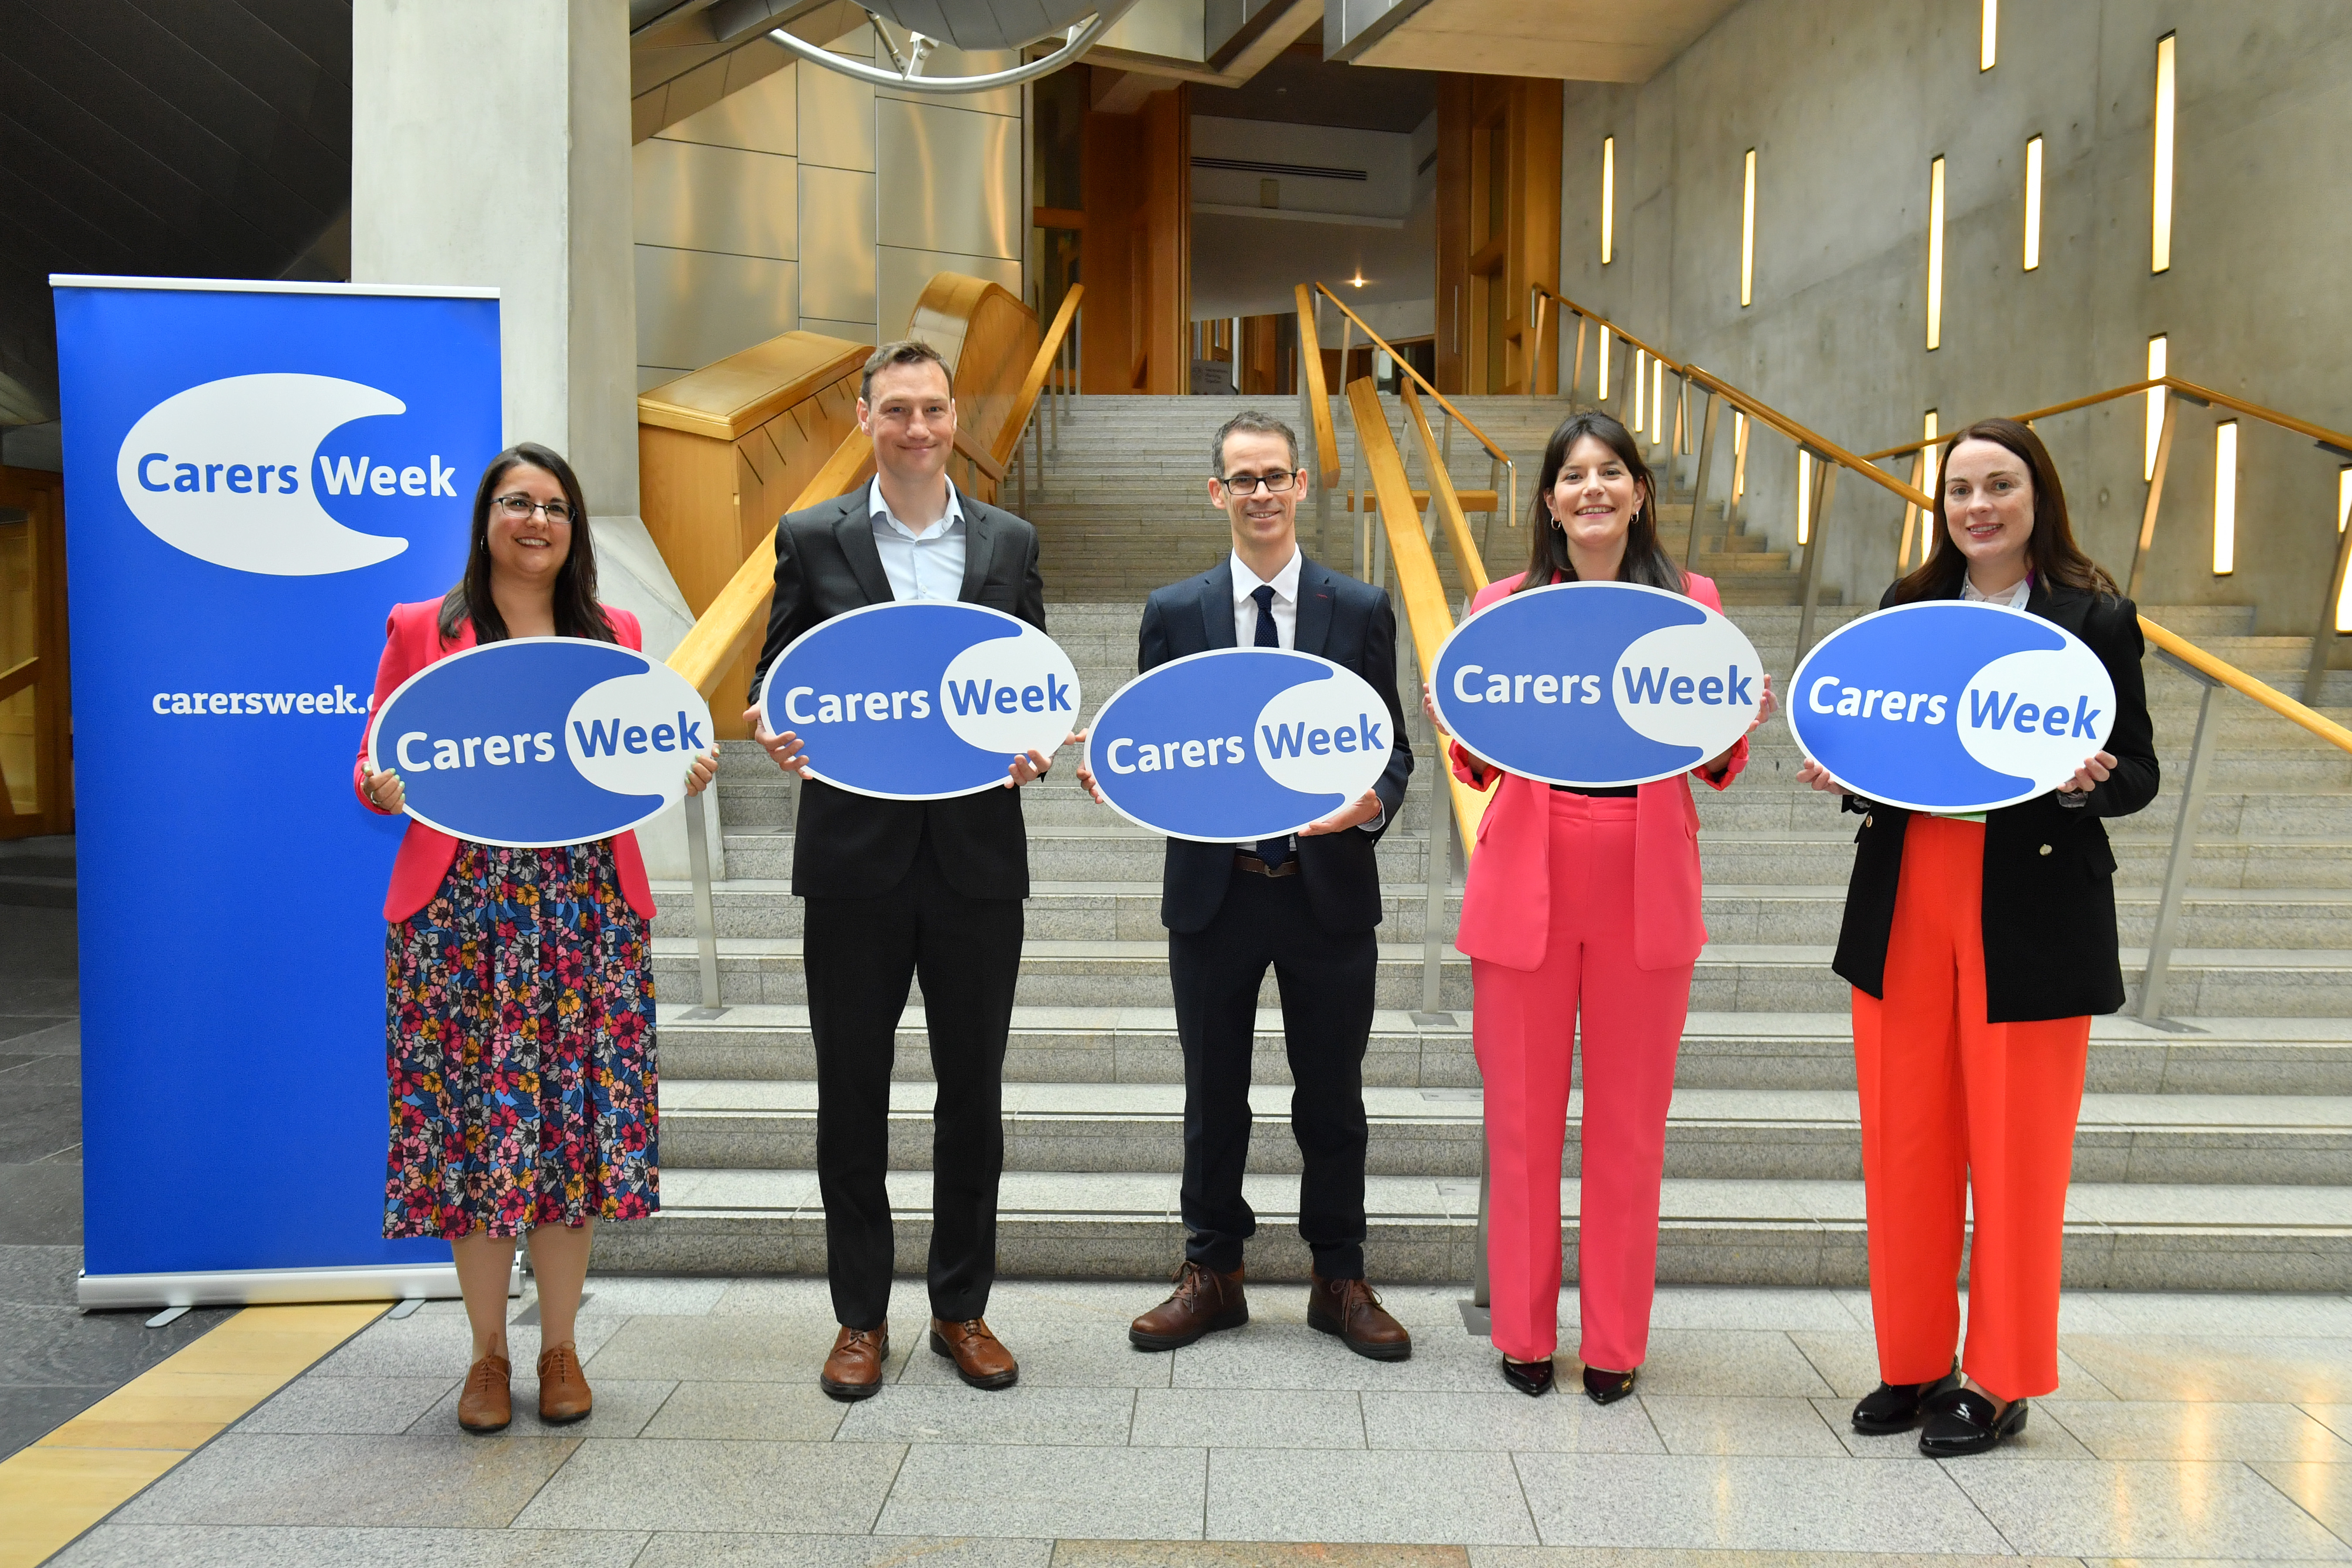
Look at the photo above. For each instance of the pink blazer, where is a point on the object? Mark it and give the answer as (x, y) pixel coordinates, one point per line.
(1507, 907)
(412, 641)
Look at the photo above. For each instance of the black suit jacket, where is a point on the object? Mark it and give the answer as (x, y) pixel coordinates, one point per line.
(1347, 622)
(849, 846)
(2049, 875)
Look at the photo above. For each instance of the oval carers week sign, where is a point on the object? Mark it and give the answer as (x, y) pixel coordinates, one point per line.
(1949, 706)
(538, 742)
(1597, 684)
(1238, 743)
(921, 700)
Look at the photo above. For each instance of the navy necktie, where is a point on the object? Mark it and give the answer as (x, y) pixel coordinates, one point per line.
(1273, 851)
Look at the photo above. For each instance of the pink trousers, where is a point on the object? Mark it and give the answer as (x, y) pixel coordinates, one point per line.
(1525, 1029)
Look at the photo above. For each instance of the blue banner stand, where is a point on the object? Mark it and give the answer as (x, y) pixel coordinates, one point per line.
(256, 472)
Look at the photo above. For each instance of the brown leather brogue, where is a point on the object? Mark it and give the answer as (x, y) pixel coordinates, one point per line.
(981, 1359)
(486, 1403)
(854, 1369)
(1203, 1301)
(563, 1395)
(1351, 1309)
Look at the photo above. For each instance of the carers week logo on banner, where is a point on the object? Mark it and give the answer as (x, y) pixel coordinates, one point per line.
(1597, 684)
(921, 700)
(1238, 743)
(1950, 706)
(232, 471)
(541, 741)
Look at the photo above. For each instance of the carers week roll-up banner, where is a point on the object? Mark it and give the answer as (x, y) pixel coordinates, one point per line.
(254, 474)
(1950, 706)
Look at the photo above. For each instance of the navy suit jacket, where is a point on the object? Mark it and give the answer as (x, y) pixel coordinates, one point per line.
(1347, 622)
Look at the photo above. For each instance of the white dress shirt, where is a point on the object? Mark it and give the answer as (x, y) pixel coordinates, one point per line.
(924, 565)
(2013, 597)
(1285, 610)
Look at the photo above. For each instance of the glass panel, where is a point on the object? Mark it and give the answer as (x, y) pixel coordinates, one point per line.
(19, 640)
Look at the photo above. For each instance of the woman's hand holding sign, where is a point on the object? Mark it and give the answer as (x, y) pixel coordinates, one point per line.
(2090, 775)
(1713, 768)
(385, 792)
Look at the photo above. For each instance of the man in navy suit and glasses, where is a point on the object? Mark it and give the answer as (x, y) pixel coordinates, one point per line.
(1308, 903)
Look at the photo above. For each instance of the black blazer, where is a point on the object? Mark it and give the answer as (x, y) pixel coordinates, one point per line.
(1347, 622)
(849, 846)
(2049, 875)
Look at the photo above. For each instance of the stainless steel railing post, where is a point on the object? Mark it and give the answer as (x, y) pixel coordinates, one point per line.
(705, 920)
(2183, 858)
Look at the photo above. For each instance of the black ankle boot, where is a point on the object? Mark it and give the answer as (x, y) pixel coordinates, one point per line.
(1607, 1387)
(1896, 1407)
(1963, 1422)
(1532, 1378)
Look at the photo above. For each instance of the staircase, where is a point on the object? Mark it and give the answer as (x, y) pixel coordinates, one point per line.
(2211, 1154)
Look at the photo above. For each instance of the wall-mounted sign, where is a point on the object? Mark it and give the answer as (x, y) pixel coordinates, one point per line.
(541, 741)
(1598, 684)
(1949, 706)
(921, 700)
(1239, 743)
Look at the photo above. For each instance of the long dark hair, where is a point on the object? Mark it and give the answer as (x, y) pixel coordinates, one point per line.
(1647, 560)
(577, 613)
(2050, 552)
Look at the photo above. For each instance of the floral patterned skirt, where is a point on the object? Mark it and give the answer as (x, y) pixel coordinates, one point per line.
(519, 1044)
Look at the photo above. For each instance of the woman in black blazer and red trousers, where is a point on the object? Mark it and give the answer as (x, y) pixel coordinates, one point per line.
(1979, 947)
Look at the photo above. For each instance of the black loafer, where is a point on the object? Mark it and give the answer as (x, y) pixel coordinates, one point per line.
(1963, 1422)
(1896, 1407)
(1532, 1378)
(1607, 1387)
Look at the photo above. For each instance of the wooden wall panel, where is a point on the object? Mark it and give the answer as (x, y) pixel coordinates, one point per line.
(1499, 170)
(1112, 178)
(1167, 239)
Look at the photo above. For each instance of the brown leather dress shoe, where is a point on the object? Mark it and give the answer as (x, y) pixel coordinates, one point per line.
(1351, 1309)
(486, 1404)
(981, 1360)
(563, 1394)
(854, 1369)
(1204, 1301)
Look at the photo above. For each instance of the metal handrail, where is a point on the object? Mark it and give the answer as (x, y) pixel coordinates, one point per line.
(2336, 441)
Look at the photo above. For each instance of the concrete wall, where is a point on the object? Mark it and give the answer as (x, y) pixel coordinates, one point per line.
(1846, 101)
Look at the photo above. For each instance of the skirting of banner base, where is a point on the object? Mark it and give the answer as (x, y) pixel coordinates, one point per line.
(277, 1287)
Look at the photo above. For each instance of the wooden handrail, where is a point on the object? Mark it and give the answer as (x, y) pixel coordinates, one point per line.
(1033, 385)
(1318, 393)
(2335, 440)
(2246, 685)
(1819, 444)
(1606, 325)
(1448, 502)
(981, 458)
(1406, 366)
(720, 631)
(18, 676)
(1426, 615)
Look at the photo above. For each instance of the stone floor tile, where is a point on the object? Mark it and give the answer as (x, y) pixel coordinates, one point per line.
(778, 1298)
(1279, 1355)
(1738, 1425)
(691, 1484)
(683, 1549)
(1026, 1413)
(1048, 1360)
(116, 1545)
(441, 1345)
(1255, 1554)
(1849, 1363)
(2138, 1429)
(723, 1349)
(2279, 1315)
(1261, 1494)
(1128, 1494)
(2045, 1437)
(1728, 1306)
(2218, 1367)
(1502, 1419)
(772, 1412)
(1607, 1557)
(2144, 1509)
(2323, 1491)
(1740, 1502)
(621, 1296)
(621, 1410)
(1708, 1362)
(455, 1479)
(349, 1404)
(1279, 1418)
(1028, 1307)
(2337, 1418)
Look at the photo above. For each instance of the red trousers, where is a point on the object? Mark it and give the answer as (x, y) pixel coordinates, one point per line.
(1525, 1029)
(1952, 1104)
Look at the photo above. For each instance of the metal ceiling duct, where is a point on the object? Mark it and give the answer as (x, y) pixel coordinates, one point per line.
(970, 25)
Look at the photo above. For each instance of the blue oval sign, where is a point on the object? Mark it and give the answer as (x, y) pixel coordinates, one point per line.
(1597, 684)
(1949, 706)
(541, 741)
(921, 700)
(1238, 743)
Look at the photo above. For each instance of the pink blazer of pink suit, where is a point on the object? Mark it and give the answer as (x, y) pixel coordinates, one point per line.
(412, 641)
(1507, 907)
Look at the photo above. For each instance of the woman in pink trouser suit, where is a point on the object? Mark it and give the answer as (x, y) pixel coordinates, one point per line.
(1583, 903)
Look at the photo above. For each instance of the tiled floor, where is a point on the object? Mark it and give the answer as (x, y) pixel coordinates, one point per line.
(2187, 1427)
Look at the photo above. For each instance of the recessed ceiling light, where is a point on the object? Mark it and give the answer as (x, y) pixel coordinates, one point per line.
(1358, 280)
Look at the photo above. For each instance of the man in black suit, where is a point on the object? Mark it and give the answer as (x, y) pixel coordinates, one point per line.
(1308, 904)
(898, 889)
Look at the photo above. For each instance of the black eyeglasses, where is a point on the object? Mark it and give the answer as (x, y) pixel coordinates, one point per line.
(518, 505)
(1279, 481)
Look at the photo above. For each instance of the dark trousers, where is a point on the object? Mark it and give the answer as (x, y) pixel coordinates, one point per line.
(860, 955)
(1325, 982)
